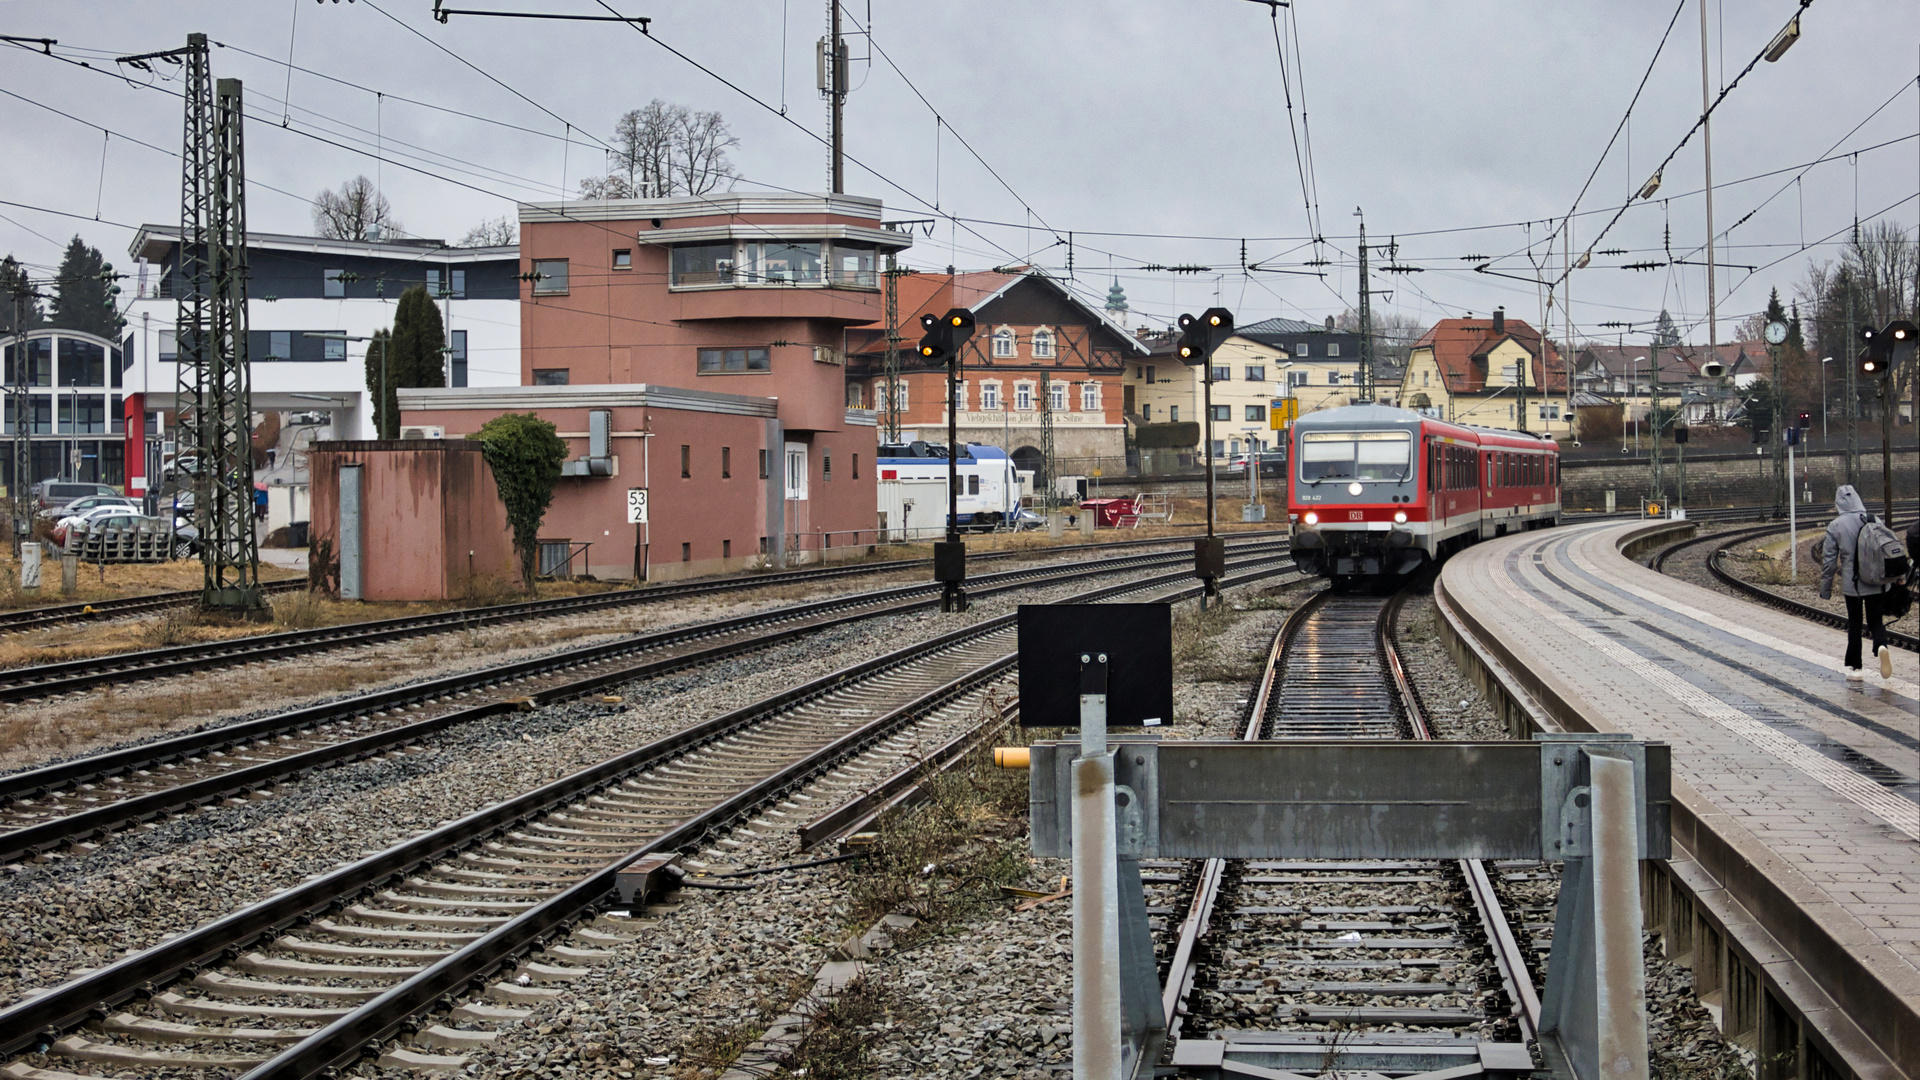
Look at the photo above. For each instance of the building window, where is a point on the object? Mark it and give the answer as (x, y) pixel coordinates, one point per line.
(1043, 344)
(433, 284)
(1023, 397)
(782, 262)
(718, 361)
(1333, 348)
(1423, 378)
(1090, 397)
(686, 462)
(763, 476)
(1303, 349)
(1257, 413)
(549, 277)
(1333, 378)
(556, 376)
(623, 259)
(856, 466)
(726, 463)
(1219, 373)
(1057, 396)
(1146, 413)
(852, 264)
(279, 345)
(1222, 412)
(826, 468)
(899, 395)
(686, 552)
(456, 357)
(330, 284)
(1173, 414)
(1002, 343)
(702, 264)
(1297, 378)
(336, 348)
(726, 549)
(1219, 448)
(459, 278)
(959, 401)
(1149, 375)
(1256, 373)
(989, 396)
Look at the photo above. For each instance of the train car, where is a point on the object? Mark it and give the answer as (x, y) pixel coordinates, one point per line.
(989, 483)
(1375, 492)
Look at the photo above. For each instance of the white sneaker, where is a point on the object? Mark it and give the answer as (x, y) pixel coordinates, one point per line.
(1886, 662)
(1854, 674)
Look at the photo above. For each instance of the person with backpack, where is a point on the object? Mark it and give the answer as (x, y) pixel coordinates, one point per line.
(1867, 558)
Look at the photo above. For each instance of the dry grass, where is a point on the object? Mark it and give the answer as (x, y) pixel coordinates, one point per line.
(837, 1043)
(946, 857)
(121, 580)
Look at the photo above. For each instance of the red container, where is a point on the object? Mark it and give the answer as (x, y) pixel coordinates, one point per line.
(1110, 510)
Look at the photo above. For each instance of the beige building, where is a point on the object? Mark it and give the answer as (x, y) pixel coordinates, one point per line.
(1248, 376)
(1489, 372)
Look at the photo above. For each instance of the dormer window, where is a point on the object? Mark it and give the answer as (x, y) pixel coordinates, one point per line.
(1043, 344)
(1003, 343)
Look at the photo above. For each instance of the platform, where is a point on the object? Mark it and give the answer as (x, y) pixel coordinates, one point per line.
(1796, 794)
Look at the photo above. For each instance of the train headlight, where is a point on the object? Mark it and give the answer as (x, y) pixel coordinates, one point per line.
(1355, 488)
(1312, 518)
(1399, 517)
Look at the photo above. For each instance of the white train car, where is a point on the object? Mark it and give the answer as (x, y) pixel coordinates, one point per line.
(990, 487)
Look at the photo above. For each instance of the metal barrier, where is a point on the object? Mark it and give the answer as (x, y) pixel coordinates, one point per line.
(147, 542)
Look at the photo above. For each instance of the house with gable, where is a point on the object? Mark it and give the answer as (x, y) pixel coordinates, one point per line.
(1038, 350)
(1495, 372)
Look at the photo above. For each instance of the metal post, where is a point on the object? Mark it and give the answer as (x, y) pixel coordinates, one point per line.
(1793, 522)
(1207, 397)
(230, 550)
(1887, 406)
(1366, 322)
(1853, 387)
(1653, 421)
(892, 368)
(1776, 403)
(953, 596)
(1706, 149)
(838, 74)
(1096, 888)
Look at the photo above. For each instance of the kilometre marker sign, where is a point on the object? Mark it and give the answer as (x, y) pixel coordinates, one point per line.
(636, 506)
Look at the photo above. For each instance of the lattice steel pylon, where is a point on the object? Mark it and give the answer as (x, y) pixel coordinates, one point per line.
(213, 398)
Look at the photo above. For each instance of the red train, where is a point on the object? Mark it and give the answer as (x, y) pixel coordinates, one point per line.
(1378, 492)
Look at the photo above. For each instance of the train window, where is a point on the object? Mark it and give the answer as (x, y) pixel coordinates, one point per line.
(1355, 455)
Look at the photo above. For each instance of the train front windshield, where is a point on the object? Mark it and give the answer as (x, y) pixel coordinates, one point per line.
(1355, 455)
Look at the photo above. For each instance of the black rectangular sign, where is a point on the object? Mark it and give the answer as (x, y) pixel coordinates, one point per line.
(1138, 641)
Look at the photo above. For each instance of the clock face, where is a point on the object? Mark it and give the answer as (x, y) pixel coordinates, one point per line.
(1776, 333)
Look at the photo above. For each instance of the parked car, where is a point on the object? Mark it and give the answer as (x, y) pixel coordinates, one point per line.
(81, 506)
(48, 494)
(100, 515)
(301, 418)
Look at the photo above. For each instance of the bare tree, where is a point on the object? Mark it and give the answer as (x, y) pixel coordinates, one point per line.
(355, 212)
(700, 153)
(493, 232)
(661, 150)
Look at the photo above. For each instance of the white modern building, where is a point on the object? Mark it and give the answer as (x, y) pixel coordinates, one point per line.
(307, 285)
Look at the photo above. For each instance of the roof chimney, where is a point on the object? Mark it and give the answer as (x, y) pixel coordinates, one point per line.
(1499, 320)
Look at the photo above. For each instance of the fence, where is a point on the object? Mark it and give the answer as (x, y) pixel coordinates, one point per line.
(146, 542)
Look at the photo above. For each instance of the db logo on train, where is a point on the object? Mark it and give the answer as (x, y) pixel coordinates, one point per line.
(1356, 515)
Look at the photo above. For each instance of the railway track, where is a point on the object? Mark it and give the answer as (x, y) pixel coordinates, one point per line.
(1724, 542)
(99, 610)
(311, 979)
(1312, 965)
(86, 799)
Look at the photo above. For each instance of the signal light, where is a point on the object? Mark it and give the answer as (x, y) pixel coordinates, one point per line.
(1200, 335)
(945, 334)
(1805, 419)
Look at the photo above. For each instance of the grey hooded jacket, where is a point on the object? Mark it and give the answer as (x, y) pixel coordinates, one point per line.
(1836, 552)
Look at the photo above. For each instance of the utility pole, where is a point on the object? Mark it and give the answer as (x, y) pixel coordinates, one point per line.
(1706, 145)
(1853, 385)
(892, 368)
(835, 84)
(20, 407)
(1046, 437)
(230, 551)
(1777, 436)
(1653, 420)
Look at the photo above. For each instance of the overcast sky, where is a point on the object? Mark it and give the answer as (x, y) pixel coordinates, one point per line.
(1154, 132)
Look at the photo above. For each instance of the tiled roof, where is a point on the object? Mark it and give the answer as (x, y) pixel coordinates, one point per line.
(1460, 348)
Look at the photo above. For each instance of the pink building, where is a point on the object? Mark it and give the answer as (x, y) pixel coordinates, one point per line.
(694, 348)
(728, 487)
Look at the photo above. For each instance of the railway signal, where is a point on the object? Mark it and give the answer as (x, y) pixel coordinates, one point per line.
(1874, 358)
(1200, 335)
(944, 338)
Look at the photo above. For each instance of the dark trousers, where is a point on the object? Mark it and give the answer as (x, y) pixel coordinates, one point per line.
(1871, 606)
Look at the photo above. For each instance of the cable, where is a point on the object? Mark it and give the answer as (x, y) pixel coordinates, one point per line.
(1644, 76)
(1299, 162)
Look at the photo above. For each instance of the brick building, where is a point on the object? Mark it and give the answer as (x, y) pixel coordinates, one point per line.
(1038, 348)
